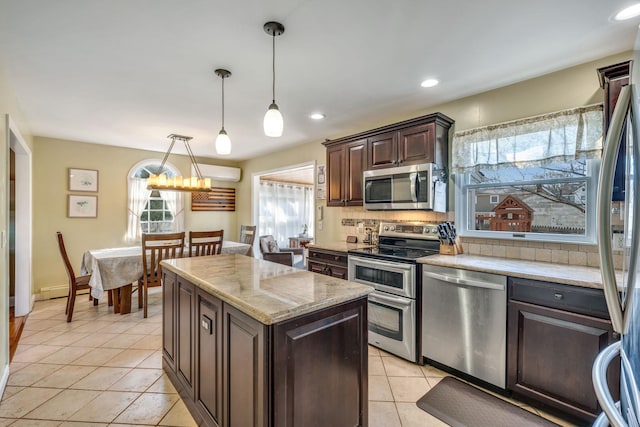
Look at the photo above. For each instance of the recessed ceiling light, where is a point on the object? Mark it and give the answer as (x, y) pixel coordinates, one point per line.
(429, 83)
(317, 116)
(628, 12)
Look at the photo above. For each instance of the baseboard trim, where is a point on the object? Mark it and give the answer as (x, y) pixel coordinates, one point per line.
(59, 291)
(5, 377)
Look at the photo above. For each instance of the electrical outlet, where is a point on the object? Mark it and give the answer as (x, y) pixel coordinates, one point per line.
(617, 242)
(320, 225)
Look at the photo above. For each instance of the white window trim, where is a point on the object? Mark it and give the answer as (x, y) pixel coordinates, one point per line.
(463, 213)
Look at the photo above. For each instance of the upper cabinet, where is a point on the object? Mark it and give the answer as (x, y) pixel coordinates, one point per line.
(421, 140)
(345, 164)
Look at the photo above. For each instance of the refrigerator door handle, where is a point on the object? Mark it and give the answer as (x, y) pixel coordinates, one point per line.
(599, 377)
(618, 310)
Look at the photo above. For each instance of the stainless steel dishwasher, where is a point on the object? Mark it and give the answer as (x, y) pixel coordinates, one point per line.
(464, 321)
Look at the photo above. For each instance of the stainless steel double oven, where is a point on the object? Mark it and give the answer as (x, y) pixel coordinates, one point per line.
(391, 268)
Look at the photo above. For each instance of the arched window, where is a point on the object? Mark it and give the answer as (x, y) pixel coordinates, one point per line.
(152, 211)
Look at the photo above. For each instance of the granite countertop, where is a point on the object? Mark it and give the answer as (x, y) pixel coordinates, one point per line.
(266, 291)
(559, 273)
(339, 246)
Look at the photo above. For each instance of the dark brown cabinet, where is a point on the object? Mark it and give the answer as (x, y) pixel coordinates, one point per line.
(185, 333)
(345, 164)
(408, 146)
(554, 335)
(329, 263)
(208, 391)
(612, 79)
(169, 284)
(420, 140)
(232, 370)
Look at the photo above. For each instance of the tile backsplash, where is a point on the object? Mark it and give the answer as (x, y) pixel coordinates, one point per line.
(557, 253)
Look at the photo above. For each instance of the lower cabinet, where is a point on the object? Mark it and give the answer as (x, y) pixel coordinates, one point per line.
(232, 370)
(329, 263)
(552, 344)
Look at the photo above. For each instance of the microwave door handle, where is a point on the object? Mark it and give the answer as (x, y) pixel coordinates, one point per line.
(413, 178)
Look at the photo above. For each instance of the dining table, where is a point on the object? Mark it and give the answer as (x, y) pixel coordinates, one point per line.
(116, 269)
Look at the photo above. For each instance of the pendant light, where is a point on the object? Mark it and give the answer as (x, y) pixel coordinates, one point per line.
(223, 142)
(178, 183)
(273, 122)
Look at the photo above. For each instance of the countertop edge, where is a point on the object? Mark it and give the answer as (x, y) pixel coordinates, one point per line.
(256, 313)
(587, 277)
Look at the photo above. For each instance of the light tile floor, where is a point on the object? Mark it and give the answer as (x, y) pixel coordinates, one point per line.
(104, 369)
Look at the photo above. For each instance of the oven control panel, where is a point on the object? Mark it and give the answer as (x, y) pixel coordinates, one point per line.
(414, 230)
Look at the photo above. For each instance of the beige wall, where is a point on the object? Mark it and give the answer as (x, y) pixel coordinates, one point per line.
(560, 90)
(8, 105)
(52, 158)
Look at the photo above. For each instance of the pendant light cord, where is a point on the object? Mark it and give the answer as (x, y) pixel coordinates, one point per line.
(223, 103)
(274, 66)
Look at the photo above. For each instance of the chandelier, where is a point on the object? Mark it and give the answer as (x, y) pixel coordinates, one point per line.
(179, 183)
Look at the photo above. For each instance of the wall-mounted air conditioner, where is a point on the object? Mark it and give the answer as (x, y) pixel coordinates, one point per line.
(218, 173)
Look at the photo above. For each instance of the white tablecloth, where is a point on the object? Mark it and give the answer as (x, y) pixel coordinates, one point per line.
(116, 267)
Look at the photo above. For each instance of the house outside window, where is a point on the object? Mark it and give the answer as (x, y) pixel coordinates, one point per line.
(152, 211)
(531, 179)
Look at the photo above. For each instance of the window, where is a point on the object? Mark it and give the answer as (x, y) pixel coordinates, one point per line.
(152, 211)
(533, 179)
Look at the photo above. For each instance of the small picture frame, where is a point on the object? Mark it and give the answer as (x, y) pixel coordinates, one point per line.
(83, 179)
(81, 206)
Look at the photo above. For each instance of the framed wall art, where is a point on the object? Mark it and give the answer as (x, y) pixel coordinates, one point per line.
(80, 206)
(83, 179)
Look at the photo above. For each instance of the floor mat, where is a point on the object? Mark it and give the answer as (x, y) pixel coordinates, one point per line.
(462, 405)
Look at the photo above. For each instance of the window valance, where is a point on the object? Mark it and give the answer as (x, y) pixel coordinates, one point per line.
(531, 142)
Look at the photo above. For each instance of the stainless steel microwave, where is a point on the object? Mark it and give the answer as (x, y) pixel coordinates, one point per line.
(401, 188)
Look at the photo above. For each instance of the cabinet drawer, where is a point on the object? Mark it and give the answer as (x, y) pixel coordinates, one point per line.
(565, 297)
(339, 258)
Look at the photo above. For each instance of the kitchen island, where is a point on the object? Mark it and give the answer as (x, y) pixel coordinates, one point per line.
(253, 343)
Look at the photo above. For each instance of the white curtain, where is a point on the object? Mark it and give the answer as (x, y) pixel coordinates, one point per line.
(532, 142)
(138, 195)
(176, 207)
(285, 209)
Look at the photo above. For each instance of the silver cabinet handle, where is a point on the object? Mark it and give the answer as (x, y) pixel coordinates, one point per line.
(463, 282)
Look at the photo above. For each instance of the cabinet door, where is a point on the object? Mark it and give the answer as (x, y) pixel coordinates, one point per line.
(320, 368)
(244, 370)
(417, 144)
(356, 163)
(186, 333)
(335, 175)
(317, 267)
(169, 318)
(208, 392)
(383, 150)
(550, 355)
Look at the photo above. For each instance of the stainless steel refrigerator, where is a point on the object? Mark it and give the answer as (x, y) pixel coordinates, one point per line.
(621, 288)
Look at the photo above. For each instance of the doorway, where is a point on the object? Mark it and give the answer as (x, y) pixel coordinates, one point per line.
(20, 216)
(283, 203)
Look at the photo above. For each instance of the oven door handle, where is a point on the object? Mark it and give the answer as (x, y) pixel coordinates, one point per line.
(463, 282)
(377, 297)
(379, 263)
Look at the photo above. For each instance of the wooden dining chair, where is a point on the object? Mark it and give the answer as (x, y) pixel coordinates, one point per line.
(248, 235)
(155, 248)
(76, 283)
(202, 243)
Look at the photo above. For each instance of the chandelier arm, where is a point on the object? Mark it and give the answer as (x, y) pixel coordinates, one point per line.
(166, 156)
(193, 159)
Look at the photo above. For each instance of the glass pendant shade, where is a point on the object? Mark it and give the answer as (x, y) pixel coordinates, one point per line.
(223, 143)
(273, 122)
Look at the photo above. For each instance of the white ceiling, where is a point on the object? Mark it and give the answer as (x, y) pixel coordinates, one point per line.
(130, 72)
